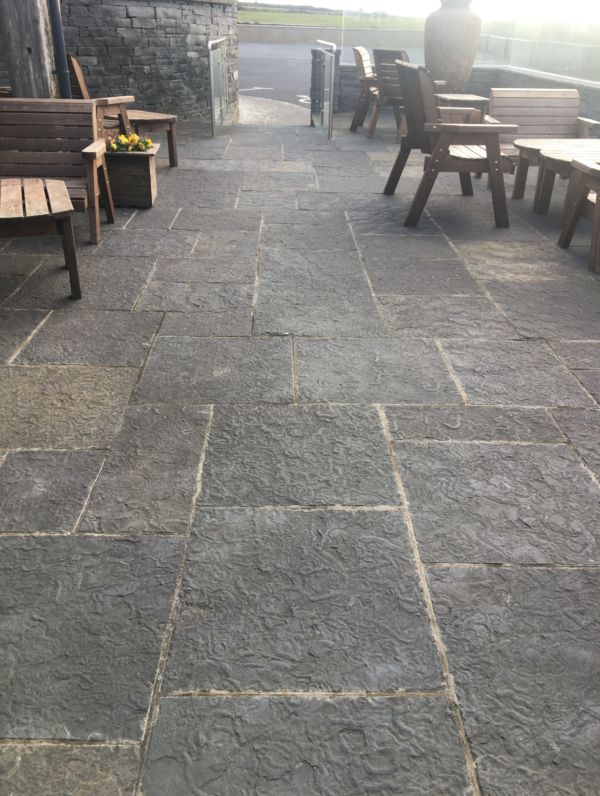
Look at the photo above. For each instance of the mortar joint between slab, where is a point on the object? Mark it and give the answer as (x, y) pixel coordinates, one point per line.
(257, 276)
(28, 339)
(441, 693)
(295, 370)
(175, 219)
(129, 220)
(452, 373)
(435, 630)
(154, 705)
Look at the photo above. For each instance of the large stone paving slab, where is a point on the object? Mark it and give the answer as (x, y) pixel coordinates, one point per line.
(45, 491)
(388, 219)
(218, 266)
(523, 373)
(445, 316)
(523, 648)
(291, 455)
(148, 482)
(296, 747)
(82, 625)
(394, 247)
(500, 504)
(68, 770)
(582, 427)
(195, 297)
(467, 218)
(373, 371)
(149, 243)
(216, 220)
(208, 324)
(301, 236)
(14, 269)
(15, 327)
(107, 283)
(300, 601)
(422, 277)
(520, 262)
(92, 337)
(316, 293)
(580, 355)
(218, 370)
(472, 424)
(70, 407)
(551, 310)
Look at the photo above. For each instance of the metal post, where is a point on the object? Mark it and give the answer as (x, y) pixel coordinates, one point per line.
(60, 53)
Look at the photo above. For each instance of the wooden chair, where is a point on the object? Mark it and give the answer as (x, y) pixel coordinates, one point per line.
(451, 147)
(56, 139)
(368, 87)
(582, 202)
(388, 86)
(143, 122)
(35, 207)
(539, 113)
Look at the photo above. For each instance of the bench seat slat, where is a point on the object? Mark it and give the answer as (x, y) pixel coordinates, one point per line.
(35, 198)
(43, 144)
(11, 200)
(45, 119)
(27, 132)
(46, 158)
(58, 198)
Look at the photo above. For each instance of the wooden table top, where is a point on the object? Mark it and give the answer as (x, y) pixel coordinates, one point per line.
(559, 145)
(468, 98)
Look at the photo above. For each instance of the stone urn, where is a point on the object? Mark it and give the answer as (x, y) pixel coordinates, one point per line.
(451, 39)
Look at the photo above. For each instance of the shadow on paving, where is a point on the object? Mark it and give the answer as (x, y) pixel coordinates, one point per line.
(297, 500)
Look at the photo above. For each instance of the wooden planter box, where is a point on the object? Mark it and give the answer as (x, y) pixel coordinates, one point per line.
(132, 177)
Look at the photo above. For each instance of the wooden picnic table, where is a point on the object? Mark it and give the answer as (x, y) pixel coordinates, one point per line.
(537, 150)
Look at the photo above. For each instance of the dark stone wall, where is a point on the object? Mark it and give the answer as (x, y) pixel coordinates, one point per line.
(153, 49)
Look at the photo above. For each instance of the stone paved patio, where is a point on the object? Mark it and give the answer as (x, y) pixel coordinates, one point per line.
(297, 501)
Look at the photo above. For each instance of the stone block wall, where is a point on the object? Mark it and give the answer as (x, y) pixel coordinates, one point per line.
(153, 49)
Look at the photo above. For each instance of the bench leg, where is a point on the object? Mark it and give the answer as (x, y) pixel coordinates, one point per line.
(520, 178)
(435, 165)
(362, 108)
(65, 229)
(492, 146)
(104, 186)
(544, 190)
(575, 200)
(172, 144)
(466, 185)
(396, 171)
(374, 117)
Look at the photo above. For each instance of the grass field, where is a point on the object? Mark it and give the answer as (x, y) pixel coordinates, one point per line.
(273, 16)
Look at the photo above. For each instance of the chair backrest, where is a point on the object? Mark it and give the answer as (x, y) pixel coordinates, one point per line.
(539, 112)
(387, 75)
(45, 137)
(419, 100)
(363, 62)
(79, 89)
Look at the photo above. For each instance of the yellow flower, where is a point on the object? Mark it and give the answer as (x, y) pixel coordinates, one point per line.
(141, 147)
(122, 139)
(129, 148)
(113, 145)
(133, 138)
(149, 142)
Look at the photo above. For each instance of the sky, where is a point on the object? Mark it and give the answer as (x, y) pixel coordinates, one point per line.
(523, 10)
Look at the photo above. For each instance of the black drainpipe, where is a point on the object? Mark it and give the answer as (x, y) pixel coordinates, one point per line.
(60, 53)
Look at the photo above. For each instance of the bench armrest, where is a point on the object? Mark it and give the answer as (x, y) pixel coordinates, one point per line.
(108, 101)
(464, 112)
(485, 129)
(490, 120)
(585, 127)
(94, 151)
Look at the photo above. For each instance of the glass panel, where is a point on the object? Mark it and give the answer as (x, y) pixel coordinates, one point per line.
(217, 63)
(322, 104)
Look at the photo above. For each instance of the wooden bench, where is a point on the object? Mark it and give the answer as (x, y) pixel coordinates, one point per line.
(56, 139)
(143, 122)
(368, 87)
(34, 207)
(388, 86)
(539, 113)
(582, 202)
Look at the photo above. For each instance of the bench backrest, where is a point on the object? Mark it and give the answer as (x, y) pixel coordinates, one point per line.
(45, 137)
(363, 62)
(539, 112)
(387, 75)
(420, 103)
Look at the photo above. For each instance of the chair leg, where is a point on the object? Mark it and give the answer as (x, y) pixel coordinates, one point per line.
(595, 245)
(396, 172)
(577, 195)
(172, 144)
(544, 190)
(374, 117)
(397, 116)
(434, 166)
(106, 193)
(362, 108)
(520, 178)
(492, 146)
(93, 206)
(65, 229)
(465, 183)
